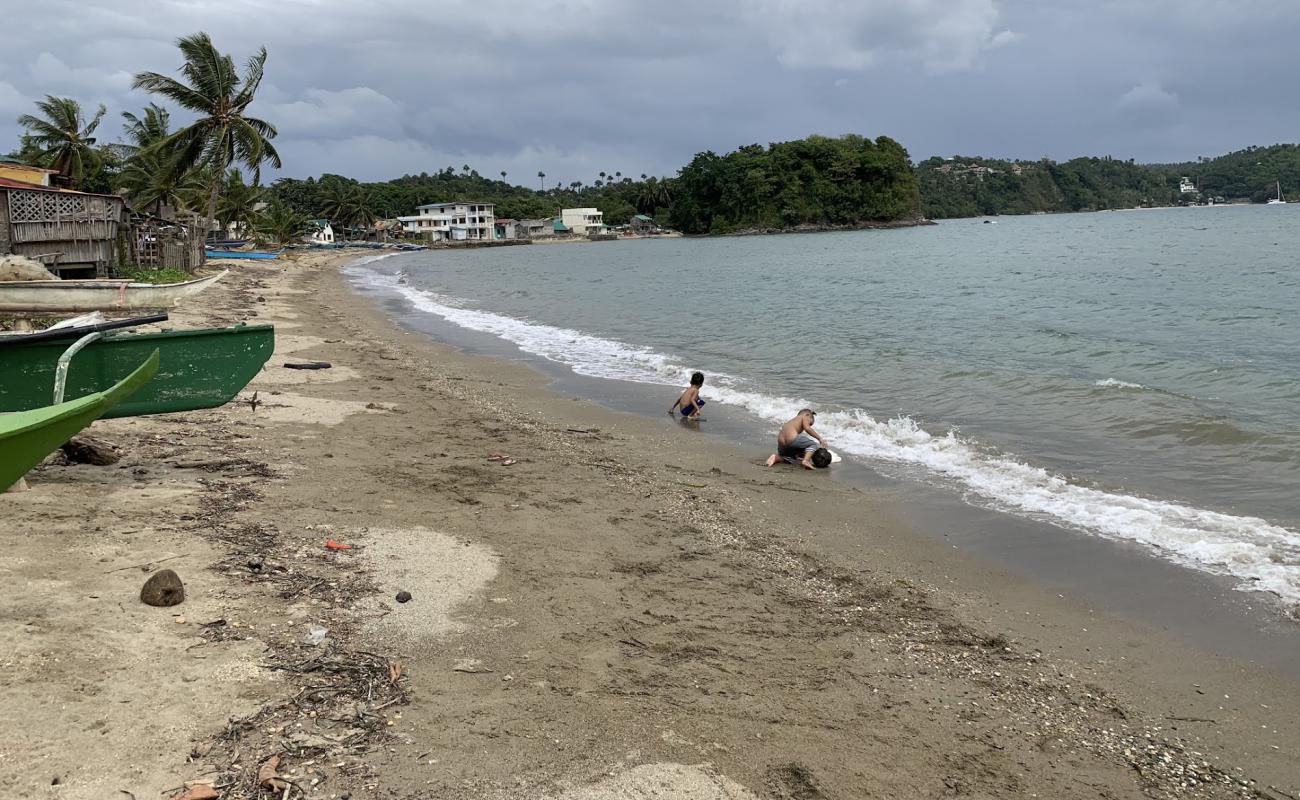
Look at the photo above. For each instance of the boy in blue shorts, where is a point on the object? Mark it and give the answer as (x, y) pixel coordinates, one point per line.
(690, 402)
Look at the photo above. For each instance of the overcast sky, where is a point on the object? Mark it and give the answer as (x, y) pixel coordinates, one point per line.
(573, 87)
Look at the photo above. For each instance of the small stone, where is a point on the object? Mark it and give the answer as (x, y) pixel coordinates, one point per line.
(403, 597)
(164, 588)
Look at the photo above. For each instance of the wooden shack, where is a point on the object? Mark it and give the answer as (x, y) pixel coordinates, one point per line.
(73, 233)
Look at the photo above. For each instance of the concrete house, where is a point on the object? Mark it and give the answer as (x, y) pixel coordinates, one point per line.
(461, 221)
(583, 221)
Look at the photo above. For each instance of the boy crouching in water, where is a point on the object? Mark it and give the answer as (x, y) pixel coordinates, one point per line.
(690, 402)
(797, 442)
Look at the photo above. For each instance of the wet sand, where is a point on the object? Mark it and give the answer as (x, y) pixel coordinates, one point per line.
(629, 610)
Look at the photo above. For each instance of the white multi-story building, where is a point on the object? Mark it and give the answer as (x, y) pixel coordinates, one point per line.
(452, 221)
(583, 221)
(1186, 186)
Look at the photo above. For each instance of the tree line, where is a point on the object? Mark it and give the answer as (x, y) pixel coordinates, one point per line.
(213, 168)
(966, 186)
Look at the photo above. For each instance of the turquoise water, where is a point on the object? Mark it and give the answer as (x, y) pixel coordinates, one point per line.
(1134, 375)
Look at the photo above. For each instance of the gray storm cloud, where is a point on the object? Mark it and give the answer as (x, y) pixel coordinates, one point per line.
(575, 87)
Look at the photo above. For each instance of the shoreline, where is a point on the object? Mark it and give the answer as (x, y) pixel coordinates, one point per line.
(626, 603)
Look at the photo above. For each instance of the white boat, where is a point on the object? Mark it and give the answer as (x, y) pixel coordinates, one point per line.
(1277, 201)
(97, 295)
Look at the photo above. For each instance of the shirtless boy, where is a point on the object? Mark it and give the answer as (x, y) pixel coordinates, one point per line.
(690, 402)
(797, 440)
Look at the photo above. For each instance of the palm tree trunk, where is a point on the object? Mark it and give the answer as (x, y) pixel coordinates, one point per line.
(212, 207)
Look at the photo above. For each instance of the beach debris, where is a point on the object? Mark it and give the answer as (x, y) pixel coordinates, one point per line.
(197, 791)
(164, 588)
(497, 456)
(309, 365)
(403, 597)
(88, 450)
(471, 666)
(315, 635)
(268, 777)
(253, 401)
(19, 486)
(330, 544)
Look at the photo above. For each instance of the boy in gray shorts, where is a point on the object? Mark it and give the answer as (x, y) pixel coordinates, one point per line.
(797, 441)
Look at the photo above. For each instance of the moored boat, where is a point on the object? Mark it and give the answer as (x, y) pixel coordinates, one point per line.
(97, 295)
(255, 254)
(27, 437)
(201, 368)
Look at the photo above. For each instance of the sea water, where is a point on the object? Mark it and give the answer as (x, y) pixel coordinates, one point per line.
(1131, 375)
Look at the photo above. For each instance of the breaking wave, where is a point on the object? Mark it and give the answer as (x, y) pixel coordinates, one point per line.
(1261, 555)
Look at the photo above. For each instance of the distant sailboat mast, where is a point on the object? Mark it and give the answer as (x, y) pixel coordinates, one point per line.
(1278, 200)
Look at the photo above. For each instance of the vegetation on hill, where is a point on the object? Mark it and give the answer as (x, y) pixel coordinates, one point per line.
(965, 186)
(817, 181)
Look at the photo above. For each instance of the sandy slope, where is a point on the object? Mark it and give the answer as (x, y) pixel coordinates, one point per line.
(623, 613)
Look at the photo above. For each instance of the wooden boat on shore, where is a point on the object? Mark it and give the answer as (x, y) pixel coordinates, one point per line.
(97, 295)
(27, 437)
(202, 368)
(78, 327)
(254, 254)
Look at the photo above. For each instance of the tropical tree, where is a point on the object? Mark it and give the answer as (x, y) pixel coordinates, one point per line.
(223, 134)
(62, 138)
(280, 223)
(541, 176)
(148, 181)
(345, 202)
(238, 204)
(145, 131)
(503, 174)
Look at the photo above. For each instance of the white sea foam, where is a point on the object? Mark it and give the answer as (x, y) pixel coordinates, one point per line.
(1265, 557)
(1112, 383)
(371, 259)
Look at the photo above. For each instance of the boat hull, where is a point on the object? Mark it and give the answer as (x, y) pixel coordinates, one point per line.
(242, 254)
(27, 437)
(80, 296)
(202, 368)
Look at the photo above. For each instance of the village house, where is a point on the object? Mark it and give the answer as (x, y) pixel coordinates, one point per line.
(504, 228)
(460, 221)
(15, 170)
(321, 232)
(642, 225)
(533, 229)
(582, 221)
(73, 233)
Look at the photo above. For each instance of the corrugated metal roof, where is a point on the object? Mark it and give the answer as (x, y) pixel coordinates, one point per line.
(7, 183)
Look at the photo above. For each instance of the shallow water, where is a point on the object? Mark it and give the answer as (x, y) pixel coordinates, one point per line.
(1133, 375)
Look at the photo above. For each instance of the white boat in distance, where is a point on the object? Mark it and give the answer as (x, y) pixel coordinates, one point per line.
(1277, 201)
(97, 295)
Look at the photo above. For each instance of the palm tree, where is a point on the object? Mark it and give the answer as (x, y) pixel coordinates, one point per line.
(541, 176)
(346, 203)
(149, 182)
(503, 175)
(223, 134)
(62, 137)
(238, 204)
(144, 132)
(281, 223)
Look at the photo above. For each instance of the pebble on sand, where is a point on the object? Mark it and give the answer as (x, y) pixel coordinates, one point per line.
(403, 597)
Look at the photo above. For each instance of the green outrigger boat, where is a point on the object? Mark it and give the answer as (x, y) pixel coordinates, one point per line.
(27, 437)
(201, 368)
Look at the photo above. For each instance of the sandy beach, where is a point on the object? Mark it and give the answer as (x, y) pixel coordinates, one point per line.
(627, 611)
